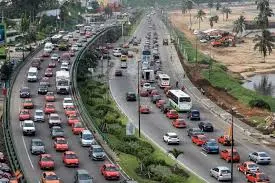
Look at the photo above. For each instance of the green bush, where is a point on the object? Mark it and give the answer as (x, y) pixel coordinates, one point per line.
(160, 172)
(111, 117)
(260, 103)
(174, 179)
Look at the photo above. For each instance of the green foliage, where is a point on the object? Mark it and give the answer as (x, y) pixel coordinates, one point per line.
(260, 103)
(6, 70)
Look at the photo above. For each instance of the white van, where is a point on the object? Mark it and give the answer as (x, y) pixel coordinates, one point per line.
(86, 138)
(32, 74)
(48, 47)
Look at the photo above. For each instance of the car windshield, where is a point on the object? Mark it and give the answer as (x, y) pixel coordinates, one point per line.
(84, 177)
(61, 141)
(50, 106)
(225, 171)
(97, 150)
(212, 144)
(173, 136)
(203, 138)
(112, 169)
(46, 158)
(263, 177)
(39, 113)
(63, 83)
(68, 101)
(181, 121)
(54, 118)
(24, 112)
(28, 125)
(173, 112)
(264, 155)
(208, 124)
(52, 177)
(78, 125)
(71, 156)
(252, 166)
(50, 94)
(58, 130)
(38, 143)
(25, 90)
(87, 136)
(73, 117)
(32, 74)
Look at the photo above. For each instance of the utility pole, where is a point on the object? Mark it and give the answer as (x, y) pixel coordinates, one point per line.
(232, 143)
(138, 102)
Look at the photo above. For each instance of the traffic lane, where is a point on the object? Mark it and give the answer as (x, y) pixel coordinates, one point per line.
(45, 134)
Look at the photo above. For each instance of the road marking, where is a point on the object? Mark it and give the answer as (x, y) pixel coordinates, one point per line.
(203, 153)
(27, 152)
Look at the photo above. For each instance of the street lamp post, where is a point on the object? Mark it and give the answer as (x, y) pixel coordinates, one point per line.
(138, 101)
(232, 143)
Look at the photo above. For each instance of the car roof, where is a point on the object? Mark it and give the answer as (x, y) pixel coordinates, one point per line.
(82, 171)
(261, 152)
(249, 162)
(36, 140)
(28, 121)
(222, 168)
(171, 133)
(96, 146)
(54, 114)
(201, 136)
(46, 155)
(50, 173)
(38, 110)
(69, 152)
(109, 165)
(67, 98)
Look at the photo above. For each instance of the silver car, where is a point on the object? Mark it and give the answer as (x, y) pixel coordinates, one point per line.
(260, 157)
(39, 115)
(97, 152)
(37, 146)
(221, 173)
(82, 176)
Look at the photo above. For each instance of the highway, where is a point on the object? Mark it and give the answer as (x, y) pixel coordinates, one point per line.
(22, 143)
(155, 125)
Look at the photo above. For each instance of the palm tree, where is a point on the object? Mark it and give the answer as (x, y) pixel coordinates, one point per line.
(239, 25)
(265, 12)
(210, 6)
(226, 11)
(218, 5)
(189, 6)
(211, 22)
(264, 87)
(264, 43)
(183, 8)
(176, 153)
(200, 15)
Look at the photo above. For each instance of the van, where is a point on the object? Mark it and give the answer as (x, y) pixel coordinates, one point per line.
(86, 138)
(48, 47)
(32, 74)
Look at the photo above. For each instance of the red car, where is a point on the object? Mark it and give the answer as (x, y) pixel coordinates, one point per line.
(46, 162)
(257, 177)
(24, 114)
(46, 54)
(72, 119)
(154, 92)
(52, 64)
(248, 167)
(144, 93)
(77, 128)
(179, 123)
(70, 159)
(226, 155)
(49, 108)
(225, 140)
(28, 104)
(199, 139)
(160, 103)
(50, 97)
(61, 144)
(144, 109)
(70, 110)
(49, 72)
(172, 114)
(110, 171)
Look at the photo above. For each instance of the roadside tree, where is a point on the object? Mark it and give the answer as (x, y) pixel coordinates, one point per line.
(200, 15)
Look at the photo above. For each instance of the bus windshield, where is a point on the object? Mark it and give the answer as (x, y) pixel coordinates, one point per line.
(184, 99)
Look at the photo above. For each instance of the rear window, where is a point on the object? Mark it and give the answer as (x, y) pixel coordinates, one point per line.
(225, 171)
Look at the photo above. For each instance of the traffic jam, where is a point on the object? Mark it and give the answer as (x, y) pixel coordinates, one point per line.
(53, 84)
(172, 99)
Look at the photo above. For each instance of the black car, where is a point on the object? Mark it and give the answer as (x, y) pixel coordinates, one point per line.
(25, 92)
(118, 73)
(165, 108)
(131, 96)
(42, 89)
(194, 115)
(194, 131)
(206, 126)
(155, 98)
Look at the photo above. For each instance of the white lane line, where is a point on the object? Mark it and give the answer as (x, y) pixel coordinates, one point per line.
(203, 154)
(27, 152)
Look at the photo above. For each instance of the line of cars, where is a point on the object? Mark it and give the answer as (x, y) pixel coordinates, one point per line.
(50, 115)
(198, 137)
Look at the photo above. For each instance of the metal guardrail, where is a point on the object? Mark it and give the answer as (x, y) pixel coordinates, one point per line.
(7, 131)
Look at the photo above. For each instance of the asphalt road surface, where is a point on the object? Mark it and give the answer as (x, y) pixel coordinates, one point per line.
(155, 125)
(22, 143)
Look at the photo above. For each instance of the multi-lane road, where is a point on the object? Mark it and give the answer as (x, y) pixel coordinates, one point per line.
(28, 161)
(154, 125)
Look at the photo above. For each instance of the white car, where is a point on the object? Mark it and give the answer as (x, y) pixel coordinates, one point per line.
(221, 173)
(74, 48)
(54, 120)
(55, 56)
(147, 86)
(64, 66)
(70, 35)
(67, 102)
(171, 138)
(117, 54)
(260, 157)
(28, 127)
(116, 50)
(39, 115)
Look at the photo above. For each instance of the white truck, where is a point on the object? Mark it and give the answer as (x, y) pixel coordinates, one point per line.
(62, 82)
(148, 75)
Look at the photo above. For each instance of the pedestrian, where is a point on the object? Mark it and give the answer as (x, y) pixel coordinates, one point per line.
(183, 75)
(182, 88)
(202, 91)
(177, 84)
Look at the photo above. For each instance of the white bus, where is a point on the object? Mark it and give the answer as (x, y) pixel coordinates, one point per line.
(179, 100)
(163, 80)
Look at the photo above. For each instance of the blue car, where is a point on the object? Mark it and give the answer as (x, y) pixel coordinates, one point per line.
(194, 115)
(211, 146)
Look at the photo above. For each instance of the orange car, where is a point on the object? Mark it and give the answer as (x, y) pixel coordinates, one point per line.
(179, 123)
(28, 104)
(160, 103)
(50, 97)
(248, 167)
(226, 155)
(61, 144)
(70, 110)
(144, 109)
(49, 177)
(77, 128)
(257, 177)
(24, 114)
(72, 119)
(70, 159)
(49, 108)
(199, 139)
(225, 140)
